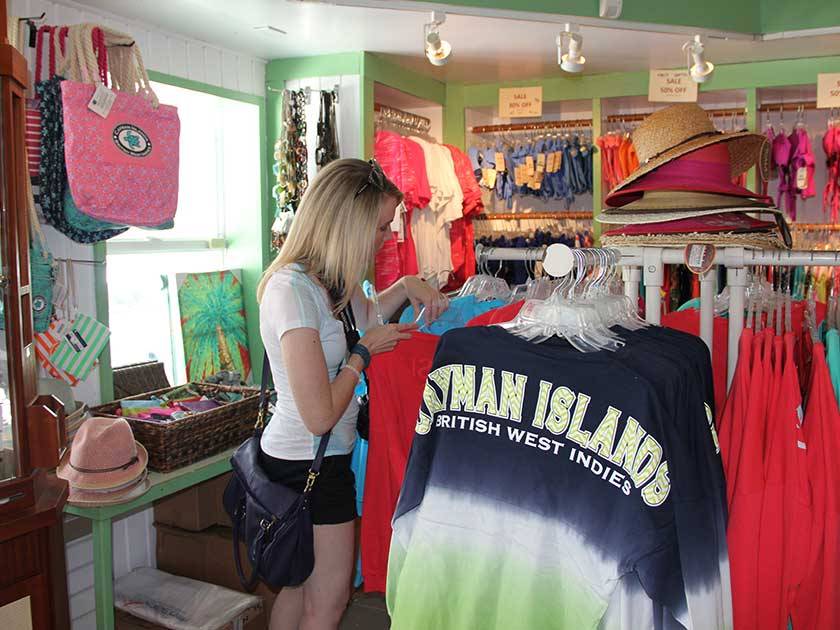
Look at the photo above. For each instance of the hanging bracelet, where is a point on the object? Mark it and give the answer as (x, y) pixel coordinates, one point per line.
(363, 352)
(354, 370)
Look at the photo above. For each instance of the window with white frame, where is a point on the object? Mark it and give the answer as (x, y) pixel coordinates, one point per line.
(219, 188)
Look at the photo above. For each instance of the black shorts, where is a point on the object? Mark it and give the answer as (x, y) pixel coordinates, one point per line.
(333, 497)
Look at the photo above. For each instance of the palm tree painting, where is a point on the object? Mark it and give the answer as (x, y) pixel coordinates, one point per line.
(213, 324)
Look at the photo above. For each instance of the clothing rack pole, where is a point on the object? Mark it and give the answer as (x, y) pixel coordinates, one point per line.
(511, 216)
(714, 113)
(534, 126)
(652, 261)
(815, 227)
(787, 107)
(379, 107)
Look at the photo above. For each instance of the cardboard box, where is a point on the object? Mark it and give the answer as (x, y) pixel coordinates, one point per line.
(197, 508)
(206, 556)
(251, 619)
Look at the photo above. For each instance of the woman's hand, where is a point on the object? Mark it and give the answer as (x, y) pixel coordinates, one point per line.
(385, 338)
(420, 294)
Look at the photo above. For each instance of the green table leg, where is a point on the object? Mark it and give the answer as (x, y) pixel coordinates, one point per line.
(103, 574)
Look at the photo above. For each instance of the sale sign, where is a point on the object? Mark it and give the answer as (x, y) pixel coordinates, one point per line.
(524, 102)
(828, 90)
(671, 86)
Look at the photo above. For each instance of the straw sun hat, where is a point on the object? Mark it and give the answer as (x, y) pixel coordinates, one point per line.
(680, 129)
(662, 205)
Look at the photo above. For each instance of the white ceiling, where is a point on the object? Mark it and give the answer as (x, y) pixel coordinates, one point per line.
(484, 49)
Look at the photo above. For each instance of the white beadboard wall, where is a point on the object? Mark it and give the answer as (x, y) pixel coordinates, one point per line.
(134, 536)
(136, 528)
(162, 51)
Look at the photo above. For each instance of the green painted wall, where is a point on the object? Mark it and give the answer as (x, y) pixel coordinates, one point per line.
(100, 284)
(384, 71)
(740, 16)
(785, 15)
(454, 119)
(280, 70)
(726, 77)
(744, 16)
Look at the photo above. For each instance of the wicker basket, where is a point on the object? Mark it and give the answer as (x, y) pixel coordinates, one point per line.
(138, 378)
(178, 443)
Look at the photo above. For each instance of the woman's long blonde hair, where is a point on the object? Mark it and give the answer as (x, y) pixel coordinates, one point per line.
(334, 229)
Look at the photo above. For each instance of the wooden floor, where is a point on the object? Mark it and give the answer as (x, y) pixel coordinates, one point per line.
(366, 612)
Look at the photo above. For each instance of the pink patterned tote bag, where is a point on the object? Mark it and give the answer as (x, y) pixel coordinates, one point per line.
(122, 168)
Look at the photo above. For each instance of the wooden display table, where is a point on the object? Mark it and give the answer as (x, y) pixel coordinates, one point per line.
(161, 485)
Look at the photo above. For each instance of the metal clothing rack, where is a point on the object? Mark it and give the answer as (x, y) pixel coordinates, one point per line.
(533, 126)
(713, 113)
(651, 262)
(815, 227)
(791, 106)
(307, 91)
(539, 216)
(401, 118)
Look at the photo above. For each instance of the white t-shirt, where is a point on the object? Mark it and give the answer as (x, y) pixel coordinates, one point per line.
(430, 225)
(294, 300)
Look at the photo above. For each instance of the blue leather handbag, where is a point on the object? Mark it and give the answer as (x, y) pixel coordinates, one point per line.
(272, 520)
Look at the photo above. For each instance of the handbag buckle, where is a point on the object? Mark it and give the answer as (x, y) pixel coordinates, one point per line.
(260, 418)
(265, 524)
(310, 481)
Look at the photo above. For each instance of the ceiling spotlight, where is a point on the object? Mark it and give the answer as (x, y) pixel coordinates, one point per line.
(610, 9)
(438, 51)
(698, 67)
(572, 61)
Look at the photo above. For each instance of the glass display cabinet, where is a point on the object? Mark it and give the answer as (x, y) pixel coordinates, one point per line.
(33, 589)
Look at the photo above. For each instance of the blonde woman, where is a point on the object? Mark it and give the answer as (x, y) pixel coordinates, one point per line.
(343, 219)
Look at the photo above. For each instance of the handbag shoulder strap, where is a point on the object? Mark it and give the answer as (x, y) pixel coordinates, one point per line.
(262, 409)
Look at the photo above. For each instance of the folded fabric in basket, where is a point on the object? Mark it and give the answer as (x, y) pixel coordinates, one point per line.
(199, 405)
(133, 408)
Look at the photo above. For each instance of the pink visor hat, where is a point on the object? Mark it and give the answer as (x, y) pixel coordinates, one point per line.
(704, 170)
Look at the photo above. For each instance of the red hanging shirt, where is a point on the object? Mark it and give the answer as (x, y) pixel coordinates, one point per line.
(396, 381)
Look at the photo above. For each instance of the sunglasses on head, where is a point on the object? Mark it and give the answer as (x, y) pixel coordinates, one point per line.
(376, 178)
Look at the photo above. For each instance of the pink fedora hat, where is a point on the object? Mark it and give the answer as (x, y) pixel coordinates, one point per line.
(114, 496)
(104, 455)
(704, 170)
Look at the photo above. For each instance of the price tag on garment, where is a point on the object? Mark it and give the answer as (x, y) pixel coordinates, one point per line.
(699, 258)
(802, 178)
(671, 86)
(102, 101)
(558, 161)
(500, 162)
(529, 165)
(540, 162)
(522, 102)
(490, 178)
(828, 90)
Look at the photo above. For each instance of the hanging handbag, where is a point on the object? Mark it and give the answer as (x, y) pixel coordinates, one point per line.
(121, 168)
(52, 169)
(272, 520)
(41, 267)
